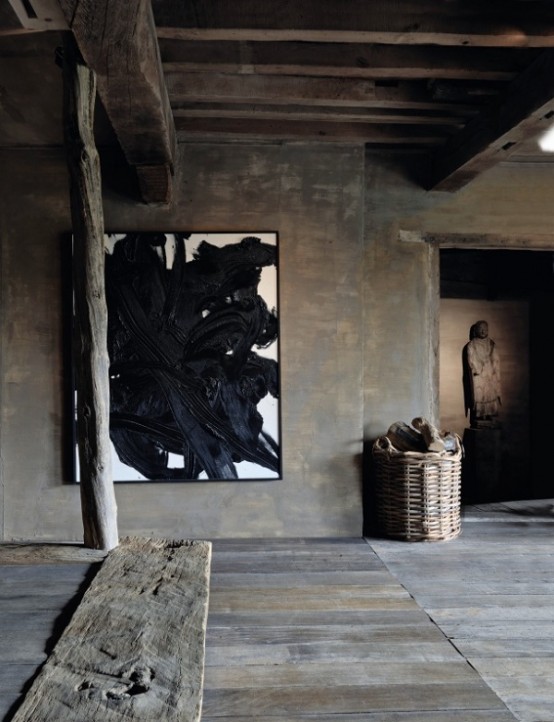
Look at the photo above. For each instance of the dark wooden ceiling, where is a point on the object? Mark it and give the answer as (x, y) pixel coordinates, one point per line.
(460, 84)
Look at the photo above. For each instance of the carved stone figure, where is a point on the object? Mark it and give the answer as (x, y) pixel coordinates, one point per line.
(482, 395)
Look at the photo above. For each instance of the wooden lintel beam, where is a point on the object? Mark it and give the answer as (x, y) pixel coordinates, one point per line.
(494, 135)
(118, 42)
(509, 23)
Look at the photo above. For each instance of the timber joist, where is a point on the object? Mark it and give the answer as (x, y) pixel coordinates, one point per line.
(462, 84)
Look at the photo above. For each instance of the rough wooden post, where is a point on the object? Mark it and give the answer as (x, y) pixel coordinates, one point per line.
(98, 503)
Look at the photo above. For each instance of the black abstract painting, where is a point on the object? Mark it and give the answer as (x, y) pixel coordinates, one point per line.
(193, 347)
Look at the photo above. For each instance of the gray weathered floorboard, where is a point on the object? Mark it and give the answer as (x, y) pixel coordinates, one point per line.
(293, 580)
(491, 591)
(366, 672)
(307, 632)
(316, 700)
(332, 651)
(48, 554)
(37, 597)
(294, 618)
(328, 630)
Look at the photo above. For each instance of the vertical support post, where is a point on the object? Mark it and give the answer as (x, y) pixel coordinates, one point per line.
(98, 504)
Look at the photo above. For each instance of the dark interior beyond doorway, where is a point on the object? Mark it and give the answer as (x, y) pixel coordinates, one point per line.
(494, 274)
(504, 277)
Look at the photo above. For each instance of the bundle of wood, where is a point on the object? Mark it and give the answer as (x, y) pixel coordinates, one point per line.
(421, 436)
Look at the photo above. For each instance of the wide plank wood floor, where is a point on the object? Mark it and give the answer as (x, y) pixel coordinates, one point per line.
(338, 630)
(491, 591)
(40, 588)
(320, 630)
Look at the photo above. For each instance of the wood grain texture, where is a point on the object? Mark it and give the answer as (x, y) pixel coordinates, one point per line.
(336, 59)
(304, 630)
(118, 42)
(37, 598)
(14, 554)
(98, 504)
(402, 21)
(490, 592)
(337, 661)
(134, 649)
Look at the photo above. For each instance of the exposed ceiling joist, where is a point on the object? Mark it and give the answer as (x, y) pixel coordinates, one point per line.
(282, 90)
(285, 129)
(332, 114)
(462, 83)
(118, 41)
(459, 22)
(356, 60)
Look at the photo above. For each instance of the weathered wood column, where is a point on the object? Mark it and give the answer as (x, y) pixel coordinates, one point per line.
(98, 503)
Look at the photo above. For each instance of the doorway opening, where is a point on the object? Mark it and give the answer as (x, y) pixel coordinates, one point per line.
(513, 290)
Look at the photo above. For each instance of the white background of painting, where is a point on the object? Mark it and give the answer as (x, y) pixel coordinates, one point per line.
(268, 407)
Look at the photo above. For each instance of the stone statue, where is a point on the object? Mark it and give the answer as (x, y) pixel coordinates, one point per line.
(481, 365)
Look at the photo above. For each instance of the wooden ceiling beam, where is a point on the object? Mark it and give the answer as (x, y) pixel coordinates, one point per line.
(262, 129)
(259, 89)
(318, 113)
(118, 42)
(526, 108)
(496, 23)
(357, 60)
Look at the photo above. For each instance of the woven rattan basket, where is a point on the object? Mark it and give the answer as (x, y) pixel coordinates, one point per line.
(417, 494)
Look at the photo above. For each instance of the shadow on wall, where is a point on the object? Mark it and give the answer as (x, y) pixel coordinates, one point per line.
(369, 500)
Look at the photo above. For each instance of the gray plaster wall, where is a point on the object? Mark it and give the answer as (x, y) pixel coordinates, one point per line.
(511, 202)
(358, 313)
(313, 197)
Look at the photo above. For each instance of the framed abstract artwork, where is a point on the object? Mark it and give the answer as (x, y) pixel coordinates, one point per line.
(193, 344)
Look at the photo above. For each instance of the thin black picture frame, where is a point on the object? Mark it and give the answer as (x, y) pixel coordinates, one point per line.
(193, 341)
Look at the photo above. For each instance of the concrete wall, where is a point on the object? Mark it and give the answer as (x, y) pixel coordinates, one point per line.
(313, 197)
(358, 310)
(510, 206)
(401, 367)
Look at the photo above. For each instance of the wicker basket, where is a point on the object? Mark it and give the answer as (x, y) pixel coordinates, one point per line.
(418, 494)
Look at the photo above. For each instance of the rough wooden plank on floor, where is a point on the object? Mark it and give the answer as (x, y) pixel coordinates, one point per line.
(134, 649)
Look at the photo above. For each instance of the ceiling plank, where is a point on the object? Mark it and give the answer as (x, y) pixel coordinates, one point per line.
(497, 23)
(494, 135)
(232, 128)
(353, 92)
(345, 60)
(318, 113)
(118, 42)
